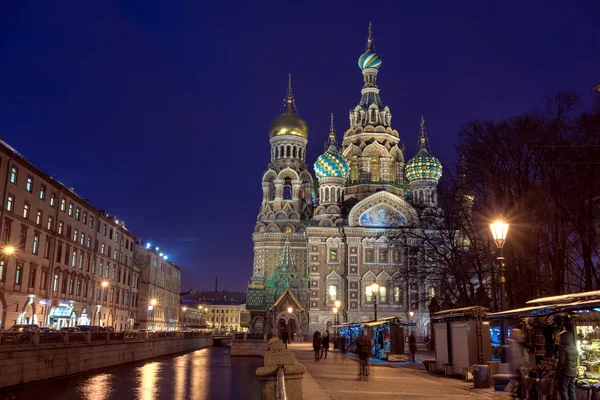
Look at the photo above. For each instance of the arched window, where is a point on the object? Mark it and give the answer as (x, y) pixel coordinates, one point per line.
(287, 189)
(375, 169)
(354, 169)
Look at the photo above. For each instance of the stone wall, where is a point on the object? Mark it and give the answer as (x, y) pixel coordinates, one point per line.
(36, 363)
(249, 348)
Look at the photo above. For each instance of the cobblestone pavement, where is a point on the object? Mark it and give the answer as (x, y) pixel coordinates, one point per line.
(336, 377)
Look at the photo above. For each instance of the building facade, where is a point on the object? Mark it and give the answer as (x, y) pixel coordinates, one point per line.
(63, 262)
(317, 244)
(160, 283)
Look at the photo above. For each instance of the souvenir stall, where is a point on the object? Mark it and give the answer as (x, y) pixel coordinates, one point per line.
(462, 339)
(386, 334)
(542, 323)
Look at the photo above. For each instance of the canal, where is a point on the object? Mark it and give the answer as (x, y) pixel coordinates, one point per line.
(204, 374)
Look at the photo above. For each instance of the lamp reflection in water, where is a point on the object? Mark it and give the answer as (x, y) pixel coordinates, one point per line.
(148, 380)
(180, 376)
(99, 387)
(199, 361)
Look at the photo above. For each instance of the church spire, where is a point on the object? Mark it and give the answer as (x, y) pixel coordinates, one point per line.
(422, 137)
(286, 263)
(332, 133)
(289, 102)
(370, 38)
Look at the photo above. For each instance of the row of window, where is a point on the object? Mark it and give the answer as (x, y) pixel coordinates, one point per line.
(333, 294)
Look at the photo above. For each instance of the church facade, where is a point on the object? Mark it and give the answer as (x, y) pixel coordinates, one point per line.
(326, 239)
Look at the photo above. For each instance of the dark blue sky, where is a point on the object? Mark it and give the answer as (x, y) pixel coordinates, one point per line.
(158, 112)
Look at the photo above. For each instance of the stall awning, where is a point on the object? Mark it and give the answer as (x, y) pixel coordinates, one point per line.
(566, 298)
(460, 312)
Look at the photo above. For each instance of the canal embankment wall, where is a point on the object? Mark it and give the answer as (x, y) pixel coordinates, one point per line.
(22, 365)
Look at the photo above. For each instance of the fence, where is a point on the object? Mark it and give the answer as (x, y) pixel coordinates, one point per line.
(15, 339)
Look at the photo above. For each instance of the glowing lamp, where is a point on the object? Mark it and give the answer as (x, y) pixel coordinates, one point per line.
(104, 283)
(499, 231)
(411, 313)
(290, 310)
(338, 304)
(335, 310)
(153, 302)
(184, 309)
(375, 287)
(148, 245)
(8, 250)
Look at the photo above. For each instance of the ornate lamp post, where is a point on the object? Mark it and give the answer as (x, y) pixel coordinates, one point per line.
(374, 290)
(499, 231)
(338, 306)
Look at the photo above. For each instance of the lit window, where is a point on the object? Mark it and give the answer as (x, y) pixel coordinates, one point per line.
(29, 184)
(75, 235)
(77, 212)
(42, 192)
(89, 242)
(10, 203)
(26, 209)
(63, 205)
(82, 239)
(61, 225)
(38, 219)
(382, 294)
(36, 243)
(55, 285)
(102, 248)
(332, 293)
(369, 294)
(333, 255)
(52, 199)
(14, 174)
(70, 209)
(104, 230)
(91, 222)
(50, 221)
(397, 294)
(84, 218)
(74, 258)
(107, 270)
(431, 293)
(18, 275)
(1, 270)
(369, 255)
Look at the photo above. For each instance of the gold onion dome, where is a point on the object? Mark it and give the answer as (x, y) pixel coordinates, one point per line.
(423, 165)
(331, 164)
(289, 122)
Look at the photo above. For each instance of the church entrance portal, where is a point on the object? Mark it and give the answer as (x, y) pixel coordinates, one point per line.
(289, 325)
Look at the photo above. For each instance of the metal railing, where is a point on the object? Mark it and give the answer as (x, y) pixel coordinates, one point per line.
(23, 339)
(281, 393)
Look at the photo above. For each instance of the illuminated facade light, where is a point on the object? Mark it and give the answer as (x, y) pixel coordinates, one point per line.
(148, 245)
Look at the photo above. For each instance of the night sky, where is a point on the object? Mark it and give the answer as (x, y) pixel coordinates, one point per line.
(158, 112)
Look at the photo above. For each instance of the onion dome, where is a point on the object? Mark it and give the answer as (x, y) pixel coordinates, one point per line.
(289, 122)
(369, 59)
(331, 164)
(423, 165)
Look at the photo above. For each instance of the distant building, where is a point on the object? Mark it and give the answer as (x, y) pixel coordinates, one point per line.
(220, 310)
(159, 289)
(64, 262)
(211, 296)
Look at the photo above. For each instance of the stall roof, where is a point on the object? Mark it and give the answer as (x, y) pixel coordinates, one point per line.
(565, 297)
(460, 312)
(519, 311)
(376, 323)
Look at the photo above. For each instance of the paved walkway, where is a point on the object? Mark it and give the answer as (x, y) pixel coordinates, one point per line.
(336, 378)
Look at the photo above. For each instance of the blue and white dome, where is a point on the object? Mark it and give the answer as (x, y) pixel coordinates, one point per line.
(331, 164)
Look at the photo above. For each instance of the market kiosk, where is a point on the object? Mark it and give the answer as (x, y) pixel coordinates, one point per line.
(387, 335)
(542, 322)
(462, 339)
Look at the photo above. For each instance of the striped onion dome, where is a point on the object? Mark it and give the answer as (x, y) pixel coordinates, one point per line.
(331, 164)
(369, 59)
(423, 166)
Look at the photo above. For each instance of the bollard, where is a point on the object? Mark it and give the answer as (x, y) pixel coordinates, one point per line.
(275, 358)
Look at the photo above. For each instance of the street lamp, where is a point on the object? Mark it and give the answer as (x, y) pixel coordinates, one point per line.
(411, 313)
(104, 284)
(374, 291)
(499, 231)
(335, 313)
(338, 306)
(184, 309)
(8, 250)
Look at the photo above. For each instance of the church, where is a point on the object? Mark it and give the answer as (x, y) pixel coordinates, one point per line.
(318, 241)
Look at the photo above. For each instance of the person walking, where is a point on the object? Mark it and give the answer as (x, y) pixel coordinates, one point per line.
(363, 347)
(566, 370)
(317, 345)
(325, 344)
(285, 337)
(412, 346)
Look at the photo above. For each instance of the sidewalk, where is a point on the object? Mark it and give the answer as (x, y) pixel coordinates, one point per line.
(336, 378)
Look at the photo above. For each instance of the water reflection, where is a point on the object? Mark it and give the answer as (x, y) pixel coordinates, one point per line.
(203, 374)
(148, 381)
(180, 376)
(98, 387)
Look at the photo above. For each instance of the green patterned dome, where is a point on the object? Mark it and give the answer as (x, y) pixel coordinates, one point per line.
(331, 164)
(369, 59)
(423, 166)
